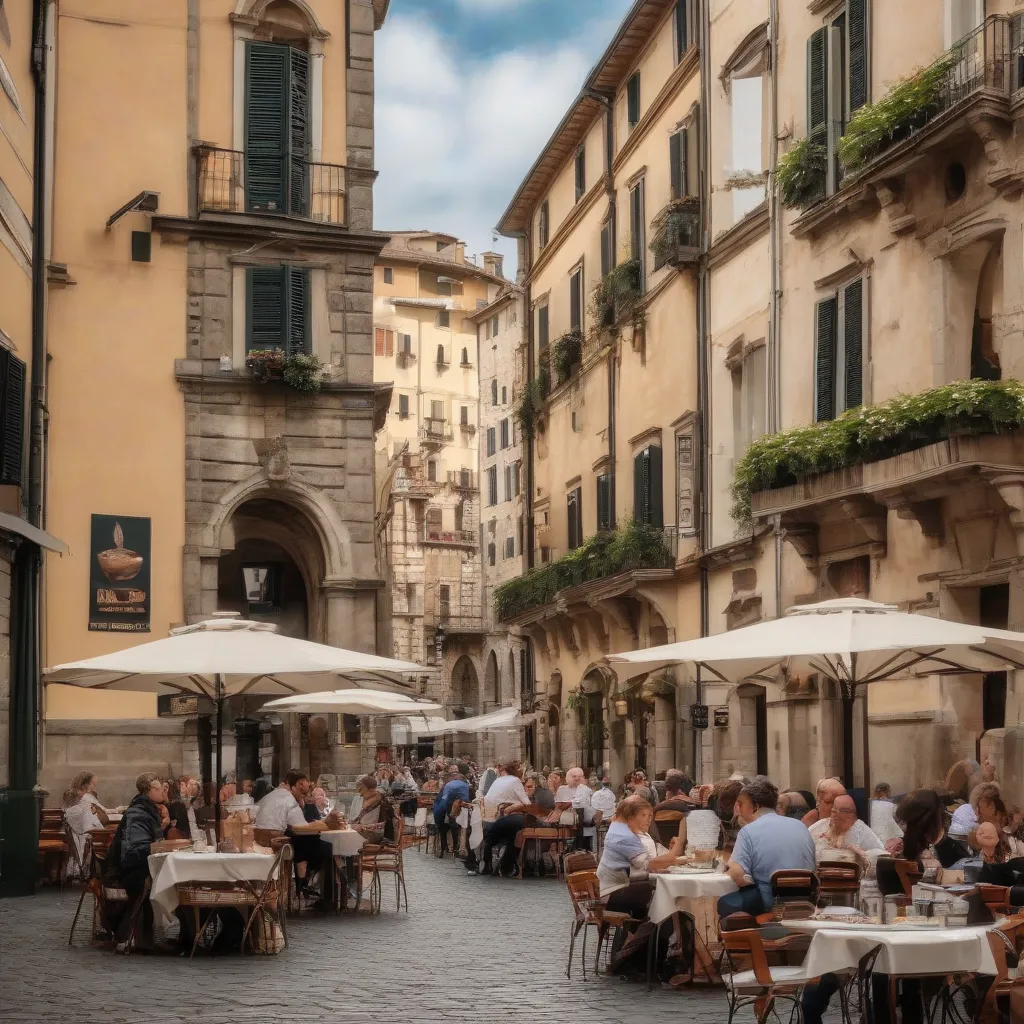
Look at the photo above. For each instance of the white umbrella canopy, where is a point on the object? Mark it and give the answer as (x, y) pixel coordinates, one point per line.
(850, 641)
(229, 656)
(504, 718)
(353, 702)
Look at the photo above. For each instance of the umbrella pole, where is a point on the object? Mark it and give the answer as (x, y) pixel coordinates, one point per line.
(866, 752)
(219, 751)
(847, 736)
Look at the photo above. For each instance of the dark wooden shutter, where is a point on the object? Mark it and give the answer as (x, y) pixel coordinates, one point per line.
(12, 417)
(817, 88)
(604, 518)
(542, 328)
(403, 406)
(655, 515)
(682, 29)
(570, 507)
(691, 160)
(633, 99)
(266, 320)
(860, 65)
(581, 172)
(298, 312)
(576, 300)
(827, 315)
(642, 486)
(298, 133)
(266, 105)
(853, 343)
(606, 250)
(677, 163)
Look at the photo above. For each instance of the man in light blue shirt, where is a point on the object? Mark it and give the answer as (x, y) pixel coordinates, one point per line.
(767, 843)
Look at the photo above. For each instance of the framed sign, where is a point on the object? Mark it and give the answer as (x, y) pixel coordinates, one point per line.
(120, 552)
(721, 718)
(699, 716)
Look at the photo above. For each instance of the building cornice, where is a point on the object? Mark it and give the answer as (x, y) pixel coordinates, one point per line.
(740, 235)
(565, 229)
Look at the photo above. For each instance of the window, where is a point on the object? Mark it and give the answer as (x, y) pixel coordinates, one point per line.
(576, 300)
(504, 433)
(444, 318)
(403, 407)
(432, 470)
(604, 502)
(542, 225)
(607, 256)
(437, 409)
(494, 326)
(442, 358)
(492, 485)
(389, 275)
(444, 286)
(277, 135)
(574, 510)
(491, 447)
(494, 391)
(405, 344)
(749, 384)
(542, 327)
(504, 396)
(647, 486)
(510, 547)
(12, 417)
(581, 173)
(444, 602)
(508, 483)
(678, 164)
(465, 357)
(637, 228)
(961, 18)
(633, 100)
(511, 317)
(383, 342)
(516, 470)
(747, 112)
(685, 26)
(278, 309)
(460, 516)
(350, 728)
(487, 330)
(464, 415)
(491, 553)
(838, 75)
(839, 352)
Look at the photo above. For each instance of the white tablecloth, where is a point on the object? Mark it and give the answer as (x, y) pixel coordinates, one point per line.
(696, 886)
(345, 842)
(167, 869)
(905, 950)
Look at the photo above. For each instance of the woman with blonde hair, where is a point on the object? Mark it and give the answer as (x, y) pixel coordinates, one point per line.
(82, 811)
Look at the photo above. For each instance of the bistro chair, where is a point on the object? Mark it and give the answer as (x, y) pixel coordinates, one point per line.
(54, 845)
(794, 893)
(113, 896)
(589, 912)
(896, 877)
(382, 859)
(670, 820)
(838, 882)
(582, 860)
(1004, 942)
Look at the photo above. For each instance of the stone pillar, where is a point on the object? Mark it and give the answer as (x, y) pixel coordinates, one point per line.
(351, 618)
(662, 756)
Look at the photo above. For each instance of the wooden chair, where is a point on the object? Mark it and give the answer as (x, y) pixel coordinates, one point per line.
(794, 893)
(838, 882)
(897, 877)
(266, 836)
(1003, 940)
(54, 847)
(670, 820)
(383, 859)
(113, 895)
(581, 861)
(589, 912)
(551, 835)
(762, 985)
(996, 898)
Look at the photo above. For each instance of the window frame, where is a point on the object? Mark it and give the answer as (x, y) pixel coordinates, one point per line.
(633, 101)
(841, 381)
(389, 275)
(580, 172)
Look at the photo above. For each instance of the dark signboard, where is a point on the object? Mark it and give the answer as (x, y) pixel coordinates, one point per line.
(120, 552)
(721, 718)
(699, 716)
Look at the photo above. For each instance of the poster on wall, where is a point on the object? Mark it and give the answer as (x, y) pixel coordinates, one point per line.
(120, 551)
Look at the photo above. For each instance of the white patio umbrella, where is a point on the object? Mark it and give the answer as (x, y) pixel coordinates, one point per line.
(225, 657)
(353, 702)
(850, 641)
(504, 718)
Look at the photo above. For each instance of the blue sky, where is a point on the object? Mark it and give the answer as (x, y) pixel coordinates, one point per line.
(467, 93)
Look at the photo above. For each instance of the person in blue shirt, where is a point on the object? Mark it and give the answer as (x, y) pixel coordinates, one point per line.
(456, 788)
(767, 842)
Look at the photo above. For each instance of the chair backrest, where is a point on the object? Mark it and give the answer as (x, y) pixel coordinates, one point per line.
(266, 836)
(995, 897)
(582, 885)
(669, 816)
(896, 877)
(748, 942)
(51, 818)
(794, 885)
(838, 876)
(574, 862)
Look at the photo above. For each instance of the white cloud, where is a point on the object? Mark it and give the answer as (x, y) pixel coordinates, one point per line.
(456, 136)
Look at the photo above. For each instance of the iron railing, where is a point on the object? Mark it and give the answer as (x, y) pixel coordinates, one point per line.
(434, 429)
(462, 538)
(463, 479)
(226, 181)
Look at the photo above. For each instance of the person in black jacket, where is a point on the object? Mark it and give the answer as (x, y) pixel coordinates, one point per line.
(128, 860)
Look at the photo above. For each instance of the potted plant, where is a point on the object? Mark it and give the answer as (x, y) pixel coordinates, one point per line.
(265, 364)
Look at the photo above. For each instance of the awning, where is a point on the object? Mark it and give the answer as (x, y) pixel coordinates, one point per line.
(23, 528)
(504, 718)
(405, 731)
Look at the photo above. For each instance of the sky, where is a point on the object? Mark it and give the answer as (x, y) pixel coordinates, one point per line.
(468, 91)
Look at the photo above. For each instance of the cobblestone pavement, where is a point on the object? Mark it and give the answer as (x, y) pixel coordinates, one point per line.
(469, 950)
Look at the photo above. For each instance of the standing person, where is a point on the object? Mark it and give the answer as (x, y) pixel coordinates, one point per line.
(456, 788)
(766, 843)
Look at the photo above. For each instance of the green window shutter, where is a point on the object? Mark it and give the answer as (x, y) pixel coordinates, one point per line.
(633, 99)
(298, 134)
(827, 317)
(12, 417)
(606, 250)
(817, 88)
(266, 305)
(677, 164)
(655, 516)
(604, 518)
(691, 158)
(266, 114)
(570, 506)
(542, 328)
(641, 489)
(860, 63)
(576, 300)
(298, 311)
(853, 343)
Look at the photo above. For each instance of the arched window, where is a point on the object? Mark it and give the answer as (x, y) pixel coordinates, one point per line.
(465, 357)
(440, 356)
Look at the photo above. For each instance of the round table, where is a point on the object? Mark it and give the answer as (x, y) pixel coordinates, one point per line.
(344, 842)
(168, 869)
(906, 951)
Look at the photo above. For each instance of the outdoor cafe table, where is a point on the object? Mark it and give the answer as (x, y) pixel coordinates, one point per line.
(906, 951)
(344, 842)
(168, 869)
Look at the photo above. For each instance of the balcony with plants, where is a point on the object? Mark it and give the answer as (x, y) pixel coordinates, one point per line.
(299, 370)
(618, 299)
(676, 241)
(909, 454)
(967, 90)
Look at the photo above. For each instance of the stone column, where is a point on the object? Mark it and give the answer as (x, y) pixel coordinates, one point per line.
(351, 617)
(664, 746)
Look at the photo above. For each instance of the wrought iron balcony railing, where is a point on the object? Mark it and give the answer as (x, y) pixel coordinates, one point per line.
(229, 181)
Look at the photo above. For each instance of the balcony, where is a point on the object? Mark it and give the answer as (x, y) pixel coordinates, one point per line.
(450, 538)
(435, 432)
(677, 234)
(462, 479)
(229, 181)
(468, 428)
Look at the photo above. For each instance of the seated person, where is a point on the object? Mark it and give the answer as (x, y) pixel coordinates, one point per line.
(603, 801)
(504, 830)
(844, 831)
(82, 810)
(767, 842)
(824, 793)
(456, 788)
(127, 864)
(182, 812)
(675, 800)
(507, 788)
(542, 797)
(315, 806)
(554, 781)
(575, 795)
(281, 811)
(375, 817)
(792, 804)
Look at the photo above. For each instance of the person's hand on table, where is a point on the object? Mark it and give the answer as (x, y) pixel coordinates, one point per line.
(333, 821)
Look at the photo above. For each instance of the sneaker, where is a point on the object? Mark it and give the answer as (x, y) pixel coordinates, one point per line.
(472, 871)
(309, 893)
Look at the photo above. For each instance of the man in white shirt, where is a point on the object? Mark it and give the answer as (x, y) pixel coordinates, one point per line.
(281, 811)
(575, 795)
(604, 800)
(843, 830)
(507, 788)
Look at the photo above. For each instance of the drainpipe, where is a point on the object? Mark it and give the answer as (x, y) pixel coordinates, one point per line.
(703, 348)
(774, 382)
(525, 240)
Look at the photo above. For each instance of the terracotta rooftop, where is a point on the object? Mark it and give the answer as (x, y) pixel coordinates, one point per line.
(400, 251)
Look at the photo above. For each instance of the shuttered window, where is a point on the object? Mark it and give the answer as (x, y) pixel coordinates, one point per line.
(677, 164)
(278, 314)
(542, 328)
(633, 100)
(647, 487)
(574, 509)
(606, 250)
(685, 27)
(492, 485)
(12, 417)
(437, 409)
(576, 300)
(637, 228)
(839, 352)
(504, 433)
(542, 225)
(403, 406)
(464, 415)
(494, 392)
(491, 448)
(508, 483)
(604, 502)
(581, 173)
(383, 341)
(817, 93)
(857, 27)
(276, 129)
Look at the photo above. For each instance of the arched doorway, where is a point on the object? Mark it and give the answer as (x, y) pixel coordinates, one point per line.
(985, 362)
(590, 723)
(753, 727)
(492, 683)
(465, 689)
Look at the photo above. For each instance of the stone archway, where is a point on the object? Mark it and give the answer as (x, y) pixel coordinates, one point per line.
(492, 682)
(465, 689)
